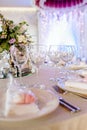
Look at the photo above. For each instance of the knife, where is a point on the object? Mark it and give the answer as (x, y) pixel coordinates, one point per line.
(66, 104)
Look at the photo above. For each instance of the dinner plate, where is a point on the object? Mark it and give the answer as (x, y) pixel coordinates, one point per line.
(47, 102)
(77, 87)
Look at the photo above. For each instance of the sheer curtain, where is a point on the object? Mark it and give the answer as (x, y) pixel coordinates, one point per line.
(64, 26)
(57, 28)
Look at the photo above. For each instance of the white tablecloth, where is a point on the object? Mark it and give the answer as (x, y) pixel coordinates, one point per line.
(60, 119)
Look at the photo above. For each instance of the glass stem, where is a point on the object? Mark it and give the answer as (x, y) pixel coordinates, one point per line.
(20, 74)
(37, 74)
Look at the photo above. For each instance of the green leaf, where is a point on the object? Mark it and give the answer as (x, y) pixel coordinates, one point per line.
(1, 49)
(5, 46)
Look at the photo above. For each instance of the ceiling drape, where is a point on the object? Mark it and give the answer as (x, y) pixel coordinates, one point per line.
(58, 3)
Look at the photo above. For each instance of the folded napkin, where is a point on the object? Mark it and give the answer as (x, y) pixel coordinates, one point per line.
(82, 72)
(76, 86)
(82, 65)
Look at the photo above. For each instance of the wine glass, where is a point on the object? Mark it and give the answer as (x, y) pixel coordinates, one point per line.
(37, 55)
(54, 56)
(67, 54)
(19, 55)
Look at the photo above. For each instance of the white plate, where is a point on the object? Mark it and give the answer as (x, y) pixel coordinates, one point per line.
(78, 87)
(47, 102)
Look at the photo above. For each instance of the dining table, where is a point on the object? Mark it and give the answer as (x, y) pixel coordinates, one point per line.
(59, 119)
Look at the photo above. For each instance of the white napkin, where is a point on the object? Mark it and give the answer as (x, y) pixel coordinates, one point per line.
(76, 86)
(82, 72)
(81, 65)
(13, 97)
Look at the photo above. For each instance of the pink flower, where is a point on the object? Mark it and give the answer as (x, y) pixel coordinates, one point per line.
(11, 41)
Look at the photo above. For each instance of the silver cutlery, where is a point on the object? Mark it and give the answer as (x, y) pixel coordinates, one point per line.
(66, 104)
(69, 106)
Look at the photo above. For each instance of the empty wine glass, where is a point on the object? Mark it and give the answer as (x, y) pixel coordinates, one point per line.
(19, 57)
(37, 55)
(54, 56)
(67, 54)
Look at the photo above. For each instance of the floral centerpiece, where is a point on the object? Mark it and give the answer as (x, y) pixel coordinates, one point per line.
(11, 34)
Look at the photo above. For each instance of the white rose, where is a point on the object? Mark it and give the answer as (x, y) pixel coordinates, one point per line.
(22, 38)
(23, 28)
